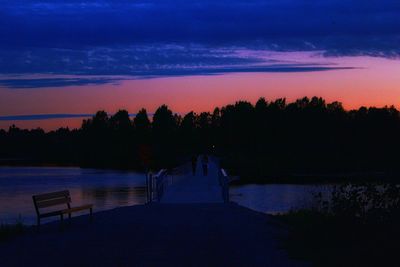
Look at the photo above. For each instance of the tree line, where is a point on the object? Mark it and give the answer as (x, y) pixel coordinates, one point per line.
(269, 139)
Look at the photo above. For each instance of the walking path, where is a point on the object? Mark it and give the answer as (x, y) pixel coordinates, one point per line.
(155, 235)
(198, 188)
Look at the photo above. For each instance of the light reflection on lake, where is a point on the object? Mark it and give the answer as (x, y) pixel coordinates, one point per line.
(276, 198)
(106, 189)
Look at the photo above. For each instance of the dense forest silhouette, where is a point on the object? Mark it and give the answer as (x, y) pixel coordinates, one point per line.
(265, 141)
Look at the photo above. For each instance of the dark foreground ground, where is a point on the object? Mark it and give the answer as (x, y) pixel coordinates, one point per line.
(336, 241)
(155, 235)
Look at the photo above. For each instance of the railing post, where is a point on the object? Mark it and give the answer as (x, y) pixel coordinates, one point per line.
(155, 185)
(147, 187)
(227, 190)
(224, 182)
(158, 183)
(149, 183)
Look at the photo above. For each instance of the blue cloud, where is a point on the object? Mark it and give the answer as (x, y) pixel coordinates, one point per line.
(358, 26)
(179, 37)
(24, 83)
(54, 82)
(253, 69)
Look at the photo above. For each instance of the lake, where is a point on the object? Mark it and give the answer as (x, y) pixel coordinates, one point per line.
(108, 189)
(276, 198)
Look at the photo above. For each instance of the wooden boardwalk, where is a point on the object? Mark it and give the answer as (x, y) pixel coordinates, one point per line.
(189, 188)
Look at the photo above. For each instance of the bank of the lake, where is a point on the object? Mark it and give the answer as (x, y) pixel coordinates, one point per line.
(330, 241)
(277, 198)
(358, 225)
(317, 177)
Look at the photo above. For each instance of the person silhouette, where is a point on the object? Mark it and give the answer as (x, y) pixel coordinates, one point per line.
(204, 162)
(194, 164)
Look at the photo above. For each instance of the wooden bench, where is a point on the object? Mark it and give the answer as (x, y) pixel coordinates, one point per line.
(57, 199)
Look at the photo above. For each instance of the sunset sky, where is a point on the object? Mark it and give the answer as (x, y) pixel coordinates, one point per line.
(61, 61)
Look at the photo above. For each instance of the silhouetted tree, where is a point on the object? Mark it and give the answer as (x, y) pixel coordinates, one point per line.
(188, 133)
(142, 122)
(142, 139)
(121, 121)
(164, 121)
(164, 128)
(269, 139)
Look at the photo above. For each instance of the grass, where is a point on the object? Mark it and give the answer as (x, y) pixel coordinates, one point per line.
(8, 231)
(332, 241)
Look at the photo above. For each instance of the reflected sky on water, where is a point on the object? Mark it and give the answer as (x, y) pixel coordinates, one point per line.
(106, 189)
(276, 198)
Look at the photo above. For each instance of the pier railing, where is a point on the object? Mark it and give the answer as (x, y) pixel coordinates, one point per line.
(155, 185)
(224, 183)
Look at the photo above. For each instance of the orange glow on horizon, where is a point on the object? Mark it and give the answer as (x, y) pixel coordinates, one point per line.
(375, 82)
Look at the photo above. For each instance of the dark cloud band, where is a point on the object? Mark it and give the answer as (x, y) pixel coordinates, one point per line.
(54, 82)
(24, 83)
(340, 27)
(152, 38)
(43, 117)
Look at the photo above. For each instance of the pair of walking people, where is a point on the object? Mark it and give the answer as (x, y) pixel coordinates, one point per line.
(204, 163)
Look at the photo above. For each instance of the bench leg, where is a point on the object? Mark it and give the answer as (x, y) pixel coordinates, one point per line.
(38, 223)
(61, 222)
(91, 214)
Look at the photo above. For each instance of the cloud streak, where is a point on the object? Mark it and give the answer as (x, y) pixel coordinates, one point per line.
(38, 83)
(43, 117)
(54, 82)
(339, 27)
(149, 38)
(32, 117)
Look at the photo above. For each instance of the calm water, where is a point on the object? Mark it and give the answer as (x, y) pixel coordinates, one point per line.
(276, 198)
(110, 189)
(103, 188)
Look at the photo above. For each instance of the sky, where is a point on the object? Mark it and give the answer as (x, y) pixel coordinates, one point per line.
(61, 61)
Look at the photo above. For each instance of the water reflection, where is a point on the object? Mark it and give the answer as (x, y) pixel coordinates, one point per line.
(276, 198)
(107, 197)
(110, 189)
(104, 188)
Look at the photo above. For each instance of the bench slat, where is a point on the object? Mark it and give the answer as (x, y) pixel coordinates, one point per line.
(53, 202)
(66, 211)
(83, 207)
(47, 196)
(50, 214)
